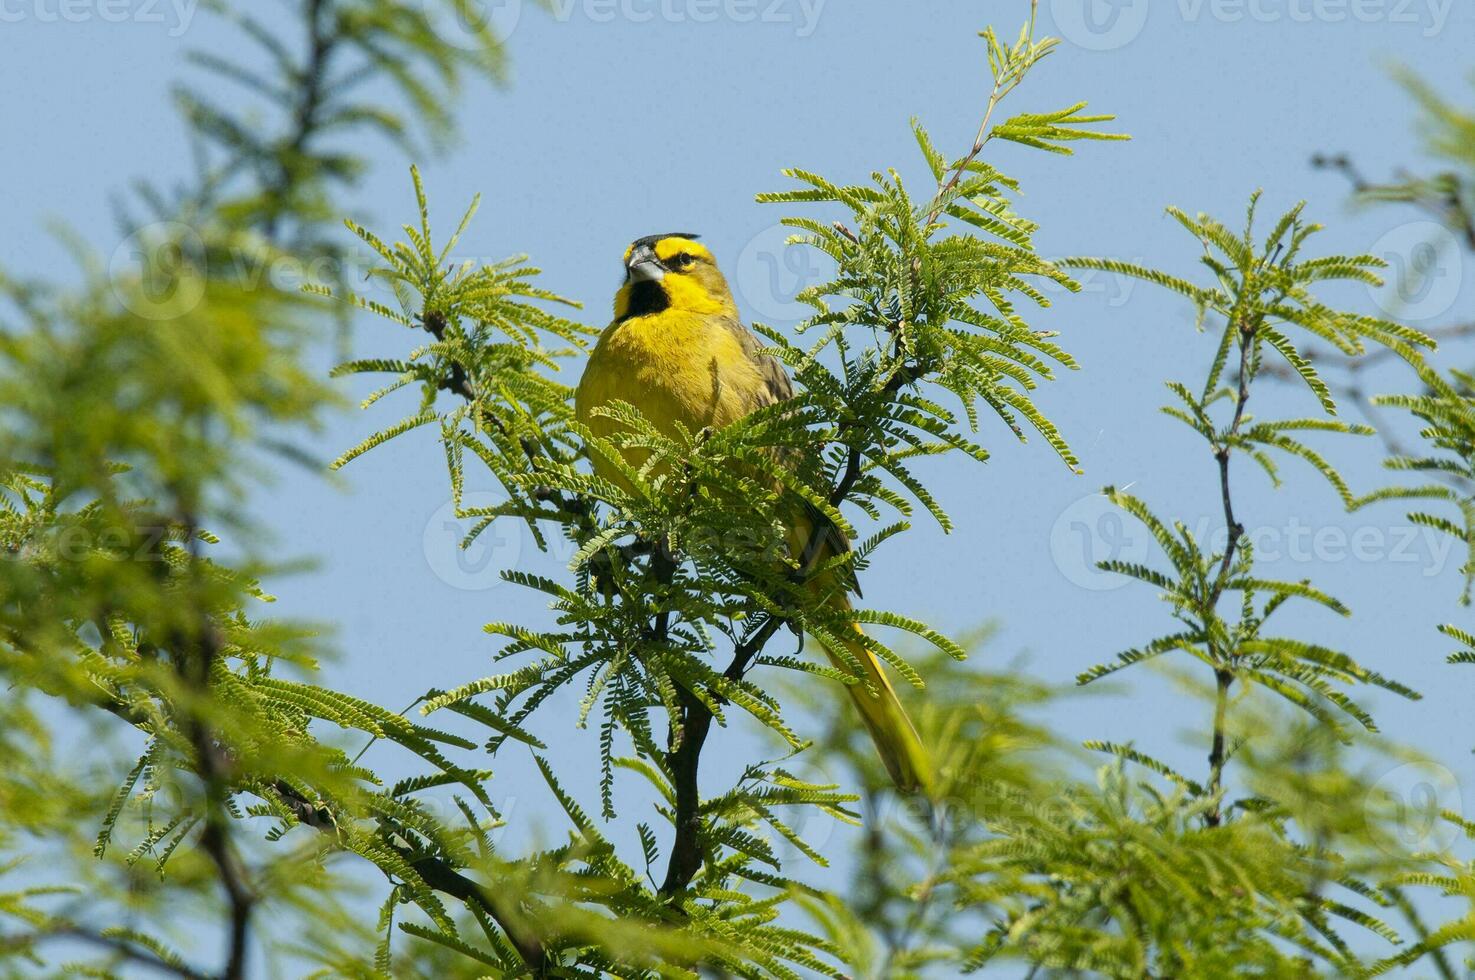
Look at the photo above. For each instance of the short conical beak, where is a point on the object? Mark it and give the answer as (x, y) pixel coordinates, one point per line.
(644, 266)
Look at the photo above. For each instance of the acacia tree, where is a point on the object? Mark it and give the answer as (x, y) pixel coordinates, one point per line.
(137, 410)
(676, 568)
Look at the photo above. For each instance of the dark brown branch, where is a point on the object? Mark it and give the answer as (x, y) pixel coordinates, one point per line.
(215, 840)
(684, 759)
(1223, 680)
(117, 946)
(690, 735)
(1224, 674)
(195, 653)
(436, 873)
(458, 383)
(446, 879)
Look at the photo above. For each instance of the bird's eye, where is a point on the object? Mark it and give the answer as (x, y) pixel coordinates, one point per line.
(684, 260)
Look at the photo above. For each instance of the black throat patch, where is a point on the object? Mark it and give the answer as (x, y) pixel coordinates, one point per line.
(646, 298)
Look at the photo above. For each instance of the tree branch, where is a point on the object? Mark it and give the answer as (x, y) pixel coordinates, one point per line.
(320, 45)
(116, 945)
(1444, 204)
(696, 723)
(1223, 675)
(1003, 85)
(195, 661)
(436, 873)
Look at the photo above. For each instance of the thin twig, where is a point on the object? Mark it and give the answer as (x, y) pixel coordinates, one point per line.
(320, 46)
(119, 947)
(926, 891)
(1224, 675)
(1002, 87)
(1445, 205)
(1354, 389)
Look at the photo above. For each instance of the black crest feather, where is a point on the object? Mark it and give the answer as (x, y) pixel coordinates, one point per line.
(652, 239)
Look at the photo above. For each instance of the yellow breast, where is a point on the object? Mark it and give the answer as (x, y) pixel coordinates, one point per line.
(674, 367)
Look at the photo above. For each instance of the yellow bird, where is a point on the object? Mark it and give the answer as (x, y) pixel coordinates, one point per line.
(678, 352)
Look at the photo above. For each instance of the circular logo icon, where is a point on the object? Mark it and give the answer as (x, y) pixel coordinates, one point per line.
(158, 272)
(1424, 274)
(1093, 530)
(771, 272)
(471, 24)
(1410, 800)
(479, 565)
(1099, 25)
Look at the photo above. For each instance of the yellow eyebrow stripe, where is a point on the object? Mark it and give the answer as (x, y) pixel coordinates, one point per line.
(669, 248)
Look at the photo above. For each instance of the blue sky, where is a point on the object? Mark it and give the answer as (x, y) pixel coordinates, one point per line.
(618, 124)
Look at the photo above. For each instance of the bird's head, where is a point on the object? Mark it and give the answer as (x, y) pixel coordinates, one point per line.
(672, 272)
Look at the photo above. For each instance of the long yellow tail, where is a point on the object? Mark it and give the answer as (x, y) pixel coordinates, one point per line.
(896, 738)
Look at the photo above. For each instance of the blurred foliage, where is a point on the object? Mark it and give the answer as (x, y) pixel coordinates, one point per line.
(140, 408)
(178, 787)
(319, 77)
(1447, 195)
(1440, 187)
(1032, 858)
